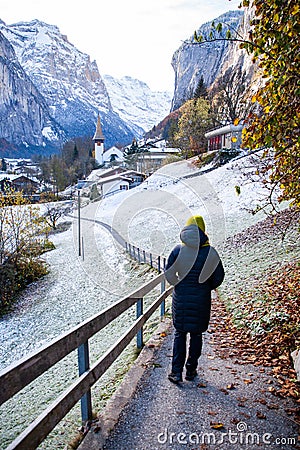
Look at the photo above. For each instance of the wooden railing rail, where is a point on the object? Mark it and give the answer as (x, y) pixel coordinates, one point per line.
(20, 374)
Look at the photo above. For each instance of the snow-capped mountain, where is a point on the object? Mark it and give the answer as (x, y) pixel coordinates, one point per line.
(73, 90)
(136, 104)
(67, 79)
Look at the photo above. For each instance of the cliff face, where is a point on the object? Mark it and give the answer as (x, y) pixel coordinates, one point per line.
(239, 58)
(25, 119)
(191, 61)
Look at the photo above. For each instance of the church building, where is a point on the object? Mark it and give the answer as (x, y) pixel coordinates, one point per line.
(105, 157)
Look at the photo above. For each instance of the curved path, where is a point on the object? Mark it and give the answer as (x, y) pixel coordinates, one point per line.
(227, 407)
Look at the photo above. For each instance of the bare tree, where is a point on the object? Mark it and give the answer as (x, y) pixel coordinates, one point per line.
(54, 211)
(229, 96)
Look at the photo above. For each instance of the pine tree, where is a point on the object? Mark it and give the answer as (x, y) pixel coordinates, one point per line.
(200, 90)
(3, 165)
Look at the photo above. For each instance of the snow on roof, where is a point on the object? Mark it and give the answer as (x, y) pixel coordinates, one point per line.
(113, 178)
(223, 130)
(98, 173)
(11, 177)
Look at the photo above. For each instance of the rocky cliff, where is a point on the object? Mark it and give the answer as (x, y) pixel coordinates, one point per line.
(25, 119)
(191, 60)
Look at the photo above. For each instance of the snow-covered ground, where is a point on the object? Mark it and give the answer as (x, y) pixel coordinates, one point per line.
(149, 216)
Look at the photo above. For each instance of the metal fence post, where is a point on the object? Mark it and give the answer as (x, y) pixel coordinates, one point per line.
(79, 229)
(151, 262)
(82, 248)
(158, 263)
(83, 366)
(139, 312)
(139, 255)
(144, 255)
(162, 289)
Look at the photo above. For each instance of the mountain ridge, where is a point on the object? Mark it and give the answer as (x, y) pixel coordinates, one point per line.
(69, 85)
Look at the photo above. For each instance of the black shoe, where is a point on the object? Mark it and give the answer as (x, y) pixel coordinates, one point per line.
(175, 377)
(190, 375)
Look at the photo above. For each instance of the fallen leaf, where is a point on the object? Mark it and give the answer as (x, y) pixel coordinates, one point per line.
(212, 413)
(247, 381)
(262, 401)
(216, 425)
(224, 391)
(273, 406)
(201, 385)
(230, 386)
(260, 415)
(235, 421)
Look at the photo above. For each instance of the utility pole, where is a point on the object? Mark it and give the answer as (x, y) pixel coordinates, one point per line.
(79, 231)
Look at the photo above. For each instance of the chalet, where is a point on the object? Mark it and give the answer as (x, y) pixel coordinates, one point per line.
(228, 137)
(96, 174)
(113, 184)
(22, 183)
(113, 180)
(136, 177)
(154, 155)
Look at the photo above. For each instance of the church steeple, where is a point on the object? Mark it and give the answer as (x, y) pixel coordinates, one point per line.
(99, 142)
(98, 136)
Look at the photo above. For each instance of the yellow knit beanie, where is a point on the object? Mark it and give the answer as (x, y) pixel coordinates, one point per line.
(196, 220)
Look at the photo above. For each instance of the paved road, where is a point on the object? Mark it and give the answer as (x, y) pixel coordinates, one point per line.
(162, 415)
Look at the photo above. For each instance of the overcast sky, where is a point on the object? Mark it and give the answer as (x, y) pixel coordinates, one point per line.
(125, 37)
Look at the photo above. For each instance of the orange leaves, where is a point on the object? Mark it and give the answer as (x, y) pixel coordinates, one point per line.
(274, 41)
(216, 425)
(275, 302)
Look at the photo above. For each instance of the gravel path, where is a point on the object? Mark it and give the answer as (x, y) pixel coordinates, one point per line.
(162, 415)
(226, 394)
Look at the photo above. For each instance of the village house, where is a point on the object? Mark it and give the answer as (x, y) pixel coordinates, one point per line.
(227, 137)
(22, 183)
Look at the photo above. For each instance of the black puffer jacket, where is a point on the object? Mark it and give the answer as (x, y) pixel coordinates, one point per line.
(195, 269)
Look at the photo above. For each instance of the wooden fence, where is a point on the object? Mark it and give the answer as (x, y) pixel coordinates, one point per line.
(18, 375)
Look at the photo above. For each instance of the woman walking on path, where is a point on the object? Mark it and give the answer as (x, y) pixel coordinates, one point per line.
(195, 269)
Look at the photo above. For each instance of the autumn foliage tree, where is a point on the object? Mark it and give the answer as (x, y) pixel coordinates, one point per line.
(274, 44)
(22, 240)
(194, 121)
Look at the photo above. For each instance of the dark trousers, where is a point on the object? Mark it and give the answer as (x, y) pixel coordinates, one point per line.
(179, 351)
